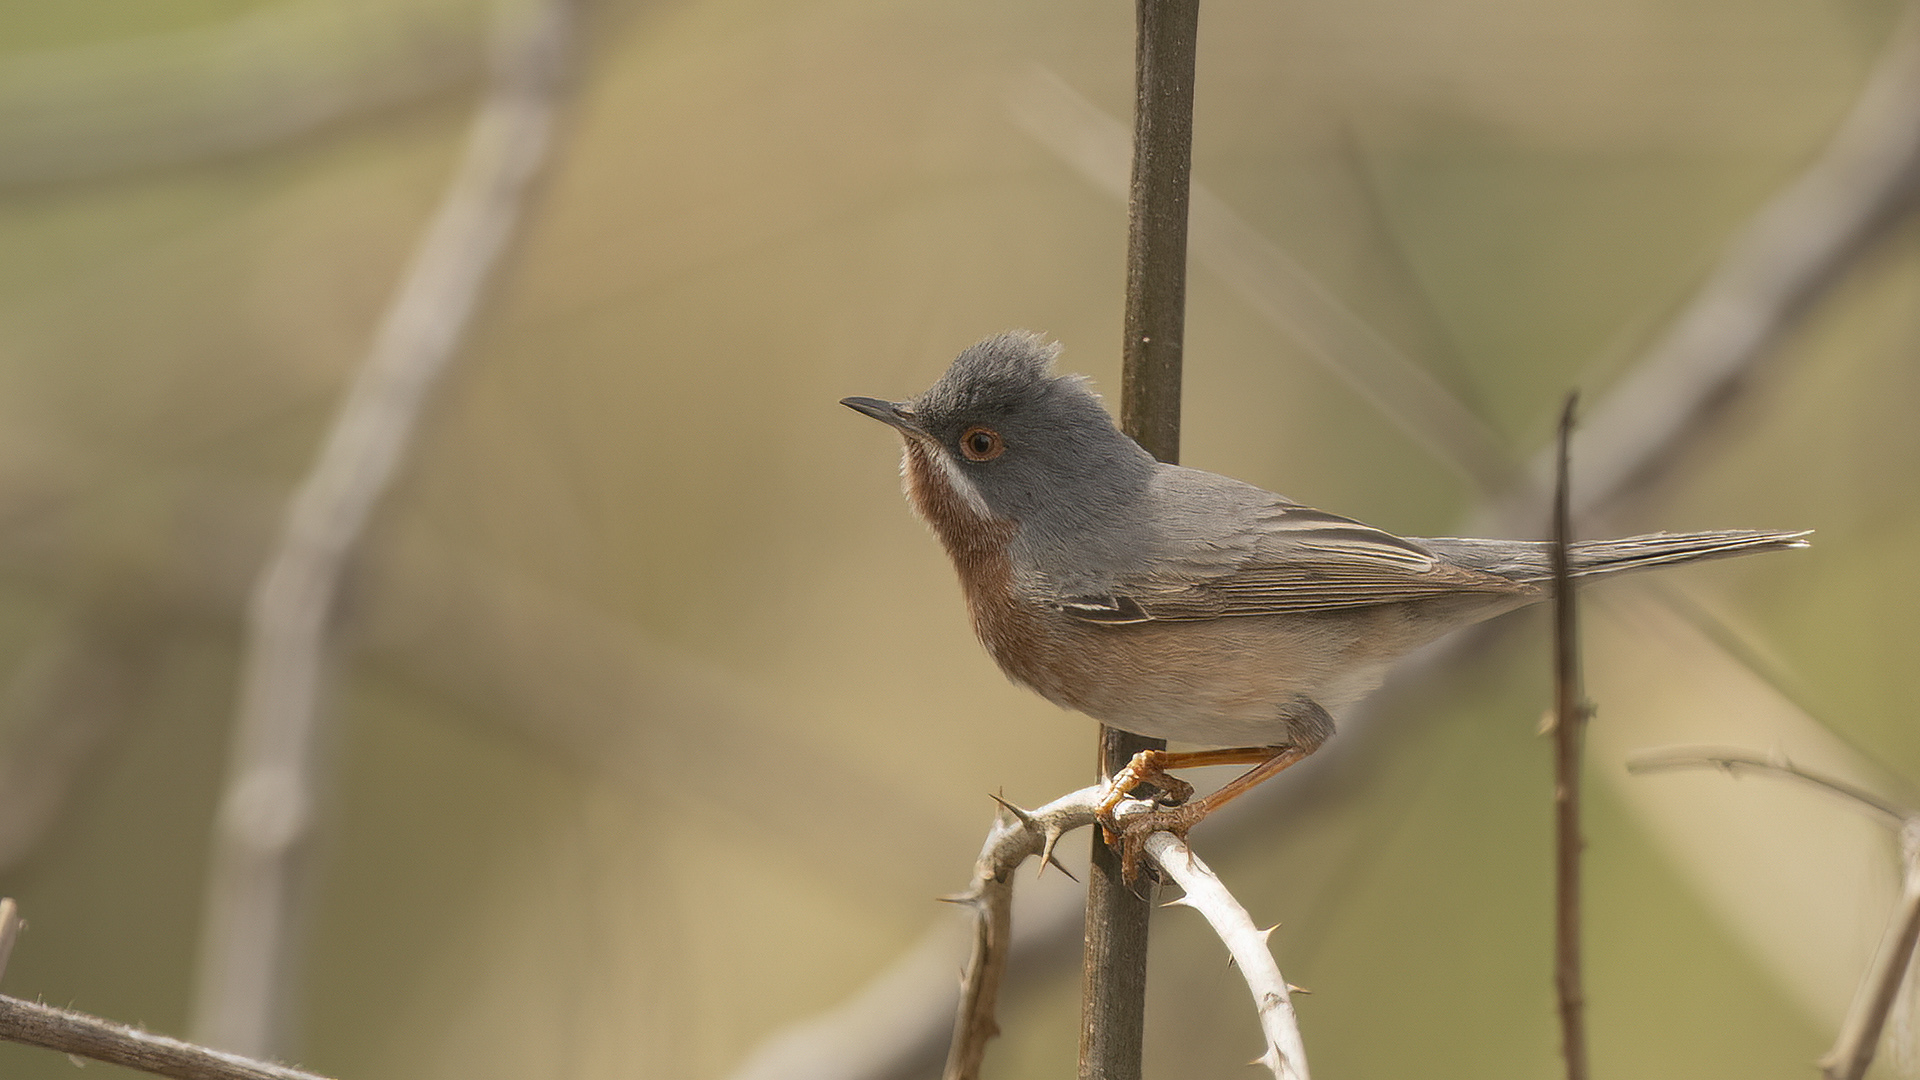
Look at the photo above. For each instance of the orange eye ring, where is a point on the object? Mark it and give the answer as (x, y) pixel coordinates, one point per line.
(981, 444)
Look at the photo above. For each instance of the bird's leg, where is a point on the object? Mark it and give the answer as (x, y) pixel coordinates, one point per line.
(1149, 766)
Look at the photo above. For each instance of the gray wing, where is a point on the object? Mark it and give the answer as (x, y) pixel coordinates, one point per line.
(1223, 549)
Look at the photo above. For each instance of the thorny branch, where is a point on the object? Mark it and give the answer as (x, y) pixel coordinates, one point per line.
(265, 816)
(1859, 1037)
(1018, 834)
(1286, 1053)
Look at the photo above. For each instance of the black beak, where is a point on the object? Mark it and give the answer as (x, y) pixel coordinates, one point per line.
(887, 412)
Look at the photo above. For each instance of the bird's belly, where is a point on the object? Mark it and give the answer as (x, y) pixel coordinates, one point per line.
(1221, 682)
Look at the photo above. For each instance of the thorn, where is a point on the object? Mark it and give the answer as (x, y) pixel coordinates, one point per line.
(969, 899)
(1271, 1059)
(1062, 867)
(1267, 934)
(1179, 901)
(1292, 989)
(1019, 815)
(1547, 722)
(1054, 833)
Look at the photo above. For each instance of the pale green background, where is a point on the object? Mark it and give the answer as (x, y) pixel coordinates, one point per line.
(660, 724)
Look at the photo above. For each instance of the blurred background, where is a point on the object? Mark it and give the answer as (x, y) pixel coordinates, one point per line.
(658, 724)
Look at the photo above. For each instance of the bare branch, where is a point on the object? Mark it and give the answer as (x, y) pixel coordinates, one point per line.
(1570, 721)
(86, 1036)
(1286, 1052)
(1735, 761)
(1859, 1034)
(1113, 984)
(265, 817)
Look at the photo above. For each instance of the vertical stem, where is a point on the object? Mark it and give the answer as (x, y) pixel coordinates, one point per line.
(1570, 716)
(1113, 1008)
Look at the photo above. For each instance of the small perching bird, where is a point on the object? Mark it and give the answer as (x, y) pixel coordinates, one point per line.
(1182, 604)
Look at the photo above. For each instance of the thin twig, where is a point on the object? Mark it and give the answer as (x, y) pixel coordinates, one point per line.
(1735, 761)
(1570, 719)
(1286, 1052)
(86, 1036)
(1859, 1037)
(265, 817)
(1114, 975)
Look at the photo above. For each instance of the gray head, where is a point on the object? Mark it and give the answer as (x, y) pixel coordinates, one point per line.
(1030, 446)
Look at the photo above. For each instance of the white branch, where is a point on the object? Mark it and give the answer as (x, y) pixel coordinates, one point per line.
(1285, 1054)
(1016, 835)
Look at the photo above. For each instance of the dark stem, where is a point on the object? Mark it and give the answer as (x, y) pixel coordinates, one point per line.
(1113, 988)
(1570, 716)
(1113, 1003)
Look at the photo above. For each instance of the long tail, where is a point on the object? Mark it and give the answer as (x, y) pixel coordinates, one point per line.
(1660, 549)
(1532, 561)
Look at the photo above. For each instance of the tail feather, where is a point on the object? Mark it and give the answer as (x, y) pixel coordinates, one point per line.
(1661, 549)
(1532, 560)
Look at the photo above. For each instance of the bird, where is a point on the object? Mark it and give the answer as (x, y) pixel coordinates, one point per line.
(1181, 604)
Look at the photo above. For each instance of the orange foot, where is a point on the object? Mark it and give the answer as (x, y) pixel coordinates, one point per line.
(1174, 813)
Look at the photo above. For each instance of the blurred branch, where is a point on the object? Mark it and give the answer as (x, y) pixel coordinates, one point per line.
(1799, 245)
(1856, 188)
(265, 816)
(80, 1035)
(9, 931)
(1867, 1014)
(258, 79)
(1570, 714)
(1286, 1053)
(1859, 1037)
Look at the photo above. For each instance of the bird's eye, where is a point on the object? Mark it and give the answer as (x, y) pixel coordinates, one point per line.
(981, 444)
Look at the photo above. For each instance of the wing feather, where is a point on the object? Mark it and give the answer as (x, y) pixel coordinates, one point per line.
(1248, 552)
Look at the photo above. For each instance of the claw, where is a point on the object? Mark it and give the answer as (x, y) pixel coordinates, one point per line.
(1135, 830)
